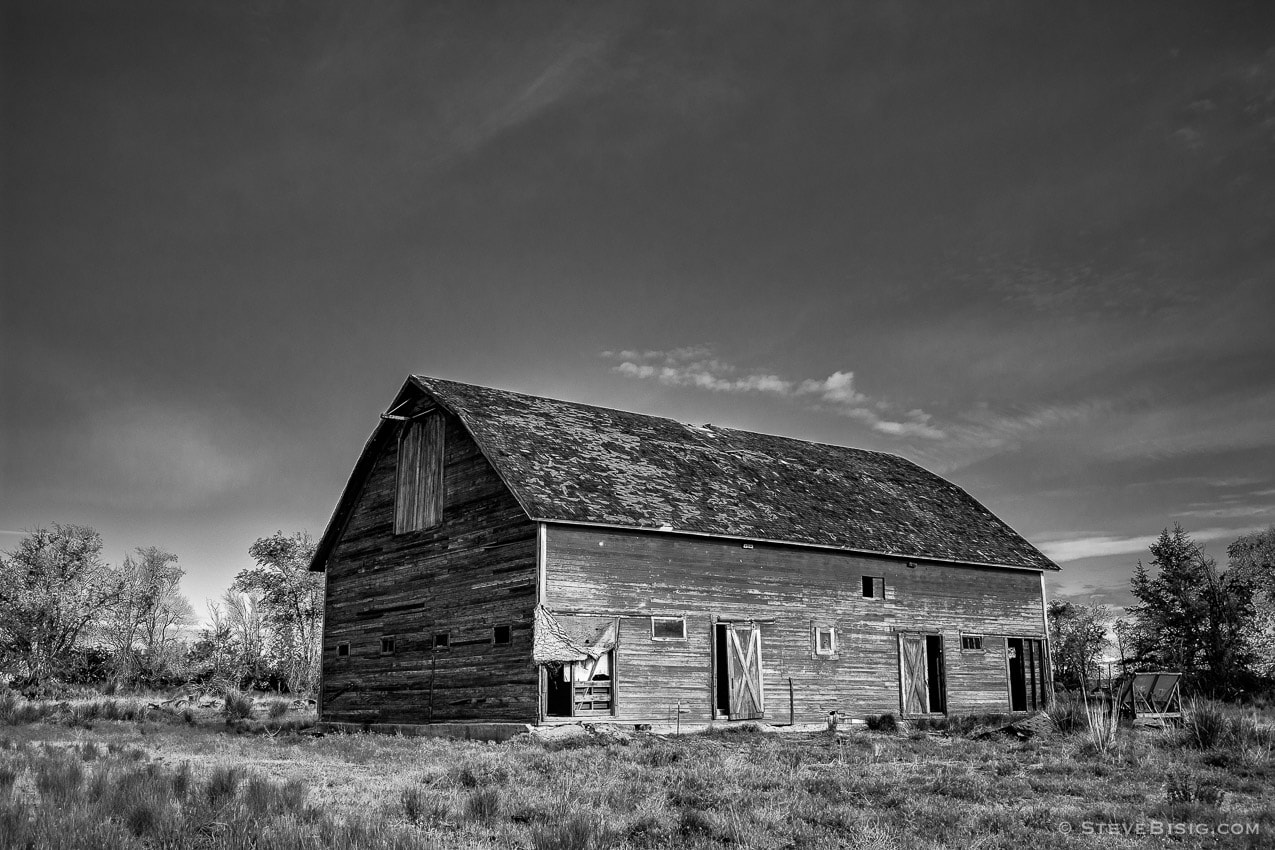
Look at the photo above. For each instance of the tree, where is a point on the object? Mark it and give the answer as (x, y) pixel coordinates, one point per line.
(1252, 557)
(1078, 635)
(291, 600)
(1191, 617)
(144, 627)
(54, 588)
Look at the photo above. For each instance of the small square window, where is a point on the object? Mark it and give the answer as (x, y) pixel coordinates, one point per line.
(500, 635)
(668, 628)
(387, 646)
(342, 650)
(825, 640)
(442, 640)
(873, 587)
(971, 643)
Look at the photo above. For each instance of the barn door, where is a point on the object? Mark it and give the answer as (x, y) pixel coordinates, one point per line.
(743, 669)
(914, 680)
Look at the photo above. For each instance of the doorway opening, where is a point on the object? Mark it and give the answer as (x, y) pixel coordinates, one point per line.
(924, 678)
(738, 692)
(1026, 674)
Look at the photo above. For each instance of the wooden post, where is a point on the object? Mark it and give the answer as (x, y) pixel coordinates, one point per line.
(791, 717)
(679, 718)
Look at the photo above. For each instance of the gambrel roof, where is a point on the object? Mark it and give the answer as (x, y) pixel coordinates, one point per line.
(570, 462)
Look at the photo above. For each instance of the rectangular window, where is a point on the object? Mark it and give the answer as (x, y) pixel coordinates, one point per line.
(387, 645)
(873, 587)
(418, 498)
(442, 640)
(971, 643)
(825, 640)
(500, 635)
(668, 628)
(342, 650)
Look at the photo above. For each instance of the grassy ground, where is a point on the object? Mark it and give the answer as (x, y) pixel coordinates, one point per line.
(161, 779)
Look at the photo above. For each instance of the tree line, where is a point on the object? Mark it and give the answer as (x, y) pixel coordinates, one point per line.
(69, 617)
(1217, 626)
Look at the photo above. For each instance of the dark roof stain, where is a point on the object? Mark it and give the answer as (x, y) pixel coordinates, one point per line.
(573, 462)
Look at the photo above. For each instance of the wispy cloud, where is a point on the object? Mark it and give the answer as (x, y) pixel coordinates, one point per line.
(697, 367)
(1078, 548)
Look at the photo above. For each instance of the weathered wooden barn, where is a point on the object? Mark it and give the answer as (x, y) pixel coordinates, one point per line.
(498, 557)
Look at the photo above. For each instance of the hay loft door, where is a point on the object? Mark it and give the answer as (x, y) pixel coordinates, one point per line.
(922, 678)
(739, 692)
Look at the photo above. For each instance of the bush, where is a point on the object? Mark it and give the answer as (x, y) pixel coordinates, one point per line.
(1104, 723)
(1207, 725)
(222, 784)
(882, 723)
(569, 831)
(1182, 786)
(483, 805)
(1068, 714)
(238, 706)
(59, 777)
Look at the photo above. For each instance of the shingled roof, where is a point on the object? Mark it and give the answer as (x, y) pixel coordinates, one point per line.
(572, 462)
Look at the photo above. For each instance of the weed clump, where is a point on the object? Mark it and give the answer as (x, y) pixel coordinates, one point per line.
(237, 706)
(882, 723)
(222, 785)
(483, 805)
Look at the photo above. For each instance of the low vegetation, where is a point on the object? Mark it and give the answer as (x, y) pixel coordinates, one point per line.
(154, 779)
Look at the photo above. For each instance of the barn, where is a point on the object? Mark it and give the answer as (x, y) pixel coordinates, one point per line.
(499, 558)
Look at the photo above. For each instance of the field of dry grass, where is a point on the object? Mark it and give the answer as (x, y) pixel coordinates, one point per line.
(166, 779)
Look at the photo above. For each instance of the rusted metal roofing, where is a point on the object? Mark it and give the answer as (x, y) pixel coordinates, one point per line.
(570, 462)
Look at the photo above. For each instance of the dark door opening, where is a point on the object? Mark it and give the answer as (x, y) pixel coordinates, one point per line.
(738, 687)
(935, 674)
(557, 693)
(721, 693)
(1026, 674)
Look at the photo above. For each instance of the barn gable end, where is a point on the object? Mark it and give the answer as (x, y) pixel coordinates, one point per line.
(392, 598)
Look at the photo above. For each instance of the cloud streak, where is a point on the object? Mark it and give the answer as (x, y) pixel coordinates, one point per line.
(1078, 548)
(698, 368)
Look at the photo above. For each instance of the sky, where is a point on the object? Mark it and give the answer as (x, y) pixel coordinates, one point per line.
(1029, 245)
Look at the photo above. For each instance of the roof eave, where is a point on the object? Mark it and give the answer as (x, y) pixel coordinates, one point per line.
(821, 546)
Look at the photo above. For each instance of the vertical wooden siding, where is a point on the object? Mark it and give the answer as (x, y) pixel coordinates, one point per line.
(473, 571)
(788, 590)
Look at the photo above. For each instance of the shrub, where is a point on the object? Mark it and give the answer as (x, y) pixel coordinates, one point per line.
(263, 797)
(222, 784)
(1104, 723)
(16, 711)
(882, 723)
(238, 706)
(483, 805)
(1207, 725)
(415, 804)
(59, 777)
(1068, 714)
(8, 776)
(277, 709)
(142, 817)
(1181, 786)
(181, 782)
(571, 830)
